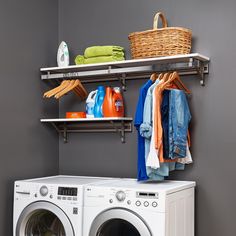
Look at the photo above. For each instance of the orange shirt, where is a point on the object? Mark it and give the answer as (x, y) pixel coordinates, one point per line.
(158, 131)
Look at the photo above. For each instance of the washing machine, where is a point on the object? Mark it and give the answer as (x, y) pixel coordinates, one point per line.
(129, 208)
(51, 206)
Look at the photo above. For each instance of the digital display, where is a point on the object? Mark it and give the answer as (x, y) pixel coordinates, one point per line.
(64, 191)
(146, 194)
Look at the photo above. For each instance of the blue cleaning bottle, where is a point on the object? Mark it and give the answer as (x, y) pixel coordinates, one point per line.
(98, 102)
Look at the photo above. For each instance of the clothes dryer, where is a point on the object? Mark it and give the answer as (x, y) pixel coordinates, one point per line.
(129, 208)
(51, 206)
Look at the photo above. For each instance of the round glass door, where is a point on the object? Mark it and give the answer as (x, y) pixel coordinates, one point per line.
(117, 227)
(43, 219)
(119, 222)
(44, 223)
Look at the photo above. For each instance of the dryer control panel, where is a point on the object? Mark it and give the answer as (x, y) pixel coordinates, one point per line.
(123, 197)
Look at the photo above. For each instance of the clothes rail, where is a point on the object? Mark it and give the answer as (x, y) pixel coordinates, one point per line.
(190, 64)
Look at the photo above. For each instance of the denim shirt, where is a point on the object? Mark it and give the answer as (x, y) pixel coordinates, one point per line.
(142, 174)
(179, 118)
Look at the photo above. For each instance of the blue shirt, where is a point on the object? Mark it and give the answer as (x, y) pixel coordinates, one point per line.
(142, 174)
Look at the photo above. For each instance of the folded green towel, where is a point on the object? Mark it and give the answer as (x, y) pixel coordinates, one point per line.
(97, 51)
(93, 60)
(79, 60)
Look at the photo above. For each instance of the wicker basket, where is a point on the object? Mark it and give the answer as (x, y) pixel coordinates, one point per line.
(166, 41)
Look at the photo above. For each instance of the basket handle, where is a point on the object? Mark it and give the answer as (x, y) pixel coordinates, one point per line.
(163, 19)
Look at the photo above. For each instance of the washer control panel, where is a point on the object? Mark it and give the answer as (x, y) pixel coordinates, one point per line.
(59, 193)
(47, 192)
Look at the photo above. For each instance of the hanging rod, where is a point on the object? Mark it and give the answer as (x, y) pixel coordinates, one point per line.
(190, 64)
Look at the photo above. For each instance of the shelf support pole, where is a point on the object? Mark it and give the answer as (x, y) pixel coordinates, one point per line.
(122, 132)
(123, 81)
(65, 133)
(201, 73)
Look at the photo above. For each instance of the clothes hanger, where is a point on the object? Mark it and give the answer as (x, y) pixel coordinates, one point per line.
(72, 84)
(175, 77)
(153, 77)
(160, 77)
(181, 83)
(166, 76)
(81, 88)
(77, 87)
(65, 87)
(54, 91)
(78, 92)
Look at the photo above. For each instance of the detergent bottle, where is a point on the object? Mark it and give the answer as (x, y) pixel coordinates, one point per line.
(97, 111)
(90, 102)
(118, 107)
(113, 105)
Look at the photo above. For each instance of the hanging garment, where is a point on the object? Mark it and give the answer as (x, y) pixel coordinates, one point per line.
(155, 170)
(179, 118)
(165, 125)
(142, 174)
(153, 158)
(157, 122)
(146, 126)
(146, 132)
(188, 159)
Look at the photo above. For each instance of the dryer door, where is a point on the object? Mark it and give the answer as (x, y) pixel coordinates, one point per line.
(43, 219)
(119, 222)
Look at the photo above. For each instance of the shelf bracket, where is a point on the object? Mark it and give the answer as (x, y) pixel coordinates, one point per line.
(123, 81)
(202, 69)
(65, 133)
(120, 131)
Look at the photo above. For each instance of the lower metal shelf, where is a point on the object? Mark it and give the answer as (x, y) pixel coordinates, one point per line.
(119, 125)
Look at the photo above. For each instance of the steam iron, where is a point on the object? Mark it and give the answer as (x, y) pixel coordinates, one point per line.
(63, 59)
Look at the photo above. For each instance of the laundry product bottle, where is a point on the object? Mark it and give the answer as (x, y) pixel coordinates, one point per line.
(90, 102)
(118, 107)
(98, 112)
(113, 105)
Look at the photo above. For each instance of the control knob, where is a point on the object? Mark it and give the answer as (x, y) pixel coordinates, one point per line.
(120, 195)
(43, 191)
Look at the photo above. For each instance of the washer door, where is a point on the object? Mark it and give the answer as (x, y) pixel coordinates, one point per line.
(119, 222)
(43, 219)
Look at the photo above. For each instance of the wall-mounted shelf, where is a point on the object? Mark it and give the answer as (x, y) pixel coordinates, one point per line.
(189, 64)
(89, 125)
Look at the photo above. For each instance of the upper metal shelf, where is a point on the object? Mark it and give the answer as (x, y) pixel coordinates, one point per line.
(189, 64)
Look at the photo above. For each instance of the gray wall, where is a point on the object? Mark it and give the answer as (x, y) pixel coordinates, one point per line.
(85, 23)
(29, 33)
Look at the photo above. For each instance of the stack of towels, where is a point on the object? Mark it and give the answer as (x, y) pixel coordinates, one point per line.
(100, 54)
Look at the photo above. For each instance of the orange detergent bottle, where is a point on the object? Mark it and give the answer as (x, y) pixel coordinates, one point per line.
(113, 105)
